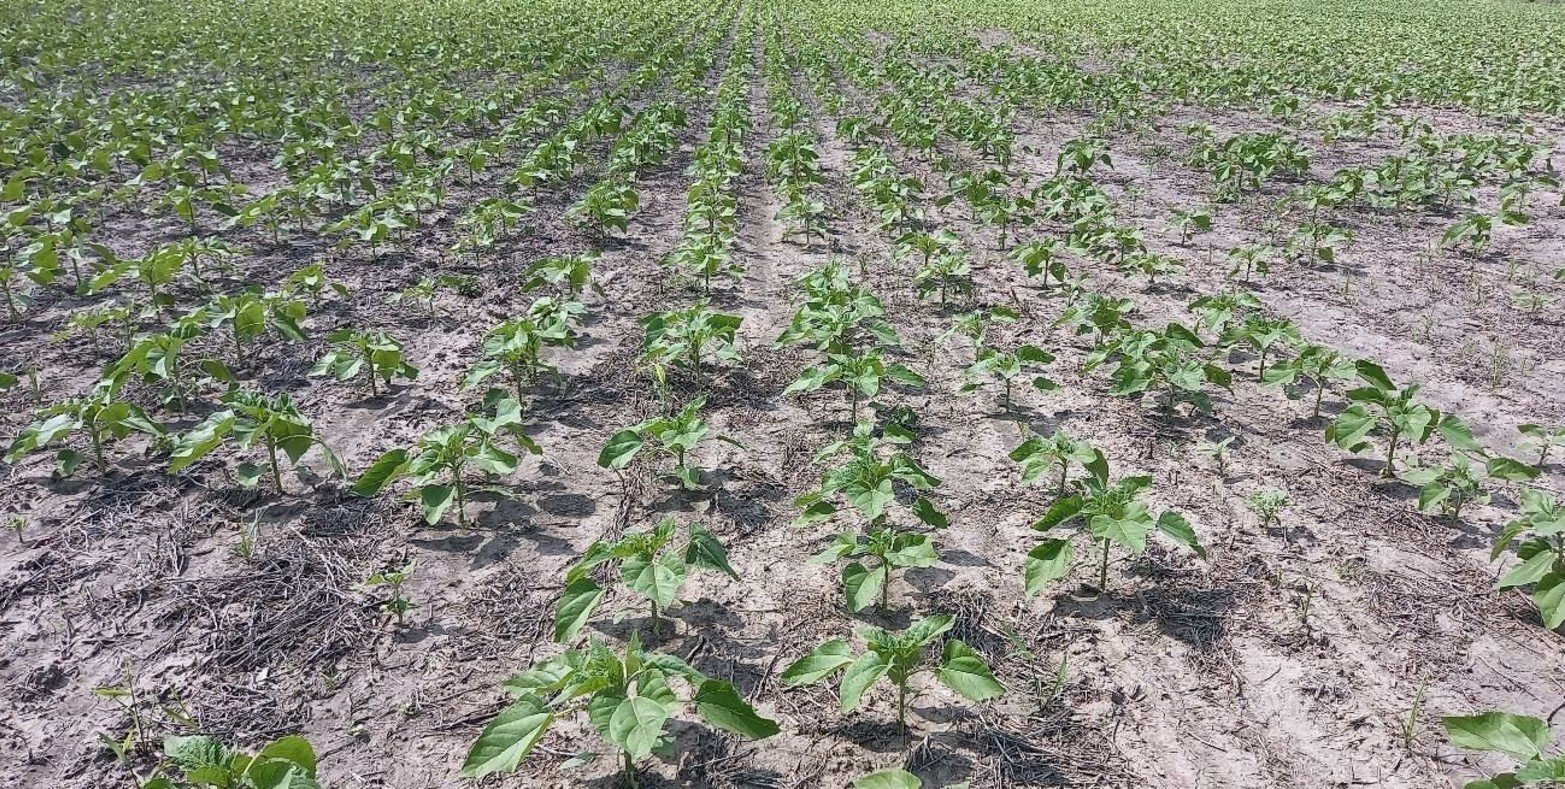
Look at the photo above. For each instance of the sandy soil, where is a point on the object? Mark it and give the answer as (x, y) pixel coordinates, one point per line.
(1290, 660)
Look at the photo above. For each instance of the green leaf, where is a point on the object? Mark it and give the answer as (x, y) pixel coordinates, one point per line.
(1530, 571)
(575, 607)
(822, 662)
(390, 466)
(203, 438)
(1458, 434)
(964, 671)
(1549, 595)
(1520, 736)
(637, 723)
(67, 460)
(620, 450)
(815, 513)
(195, 752)
(1350, 427)
(1060, 512)
(435, 499)
(658, 580)
(862, 585)
(1542, 771)
(859, 676)
(249, 474)
(1048, 562)
(508, 738)
(1510, 469)
(292, 749)
(720, 705)
(926, 630)
(889, 779)
(1176, 527)
(1374, 374)
(925, 511)
(706, 551)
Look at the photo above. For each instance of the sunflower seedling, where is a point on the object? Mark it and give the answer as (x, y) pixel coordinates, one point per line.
(629, 698)
(1539, 534)
(250, 420)
(101, 416)
(202, 761)
(898, 656)
(438, 464)
(392, 579)
(650, 564)
(1038, 455)
(673, 435)
(1108, 515)
(1267, 504)
(374, 354)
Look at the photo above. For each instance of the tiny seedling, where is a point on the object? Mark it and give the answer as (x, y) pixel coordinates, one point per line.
(1267, 504)
(1540, 439)
(1218, 452)
(392, 579)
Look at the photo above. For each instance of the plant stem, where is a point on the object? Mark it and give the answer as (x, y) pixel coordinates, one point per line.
(885, 588)
(97, 449)
(1103, 569)
(902, 705)
(271, 452)
(1391, 453)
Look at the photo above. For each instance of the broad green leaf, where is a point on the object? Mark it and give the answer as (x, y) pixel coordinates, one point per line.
(889, 779)
(861, 674)
(1530, 571)
(1510, 469)
(620, 450)
(1176, 527)
(822, 662)
(964, 671)
(508, 738)
(1519, 736)
(1048, 562)
(720, 705)
(575, 607)
(706, 551)
(435, 500)
(925, 511)
(1549, 595)
(926, 630)
(390, 466)
(637, 723)
(862, 585)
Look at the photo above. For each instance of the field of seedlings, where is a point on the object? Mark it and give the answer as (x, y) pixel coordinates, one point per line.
(782, 394)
